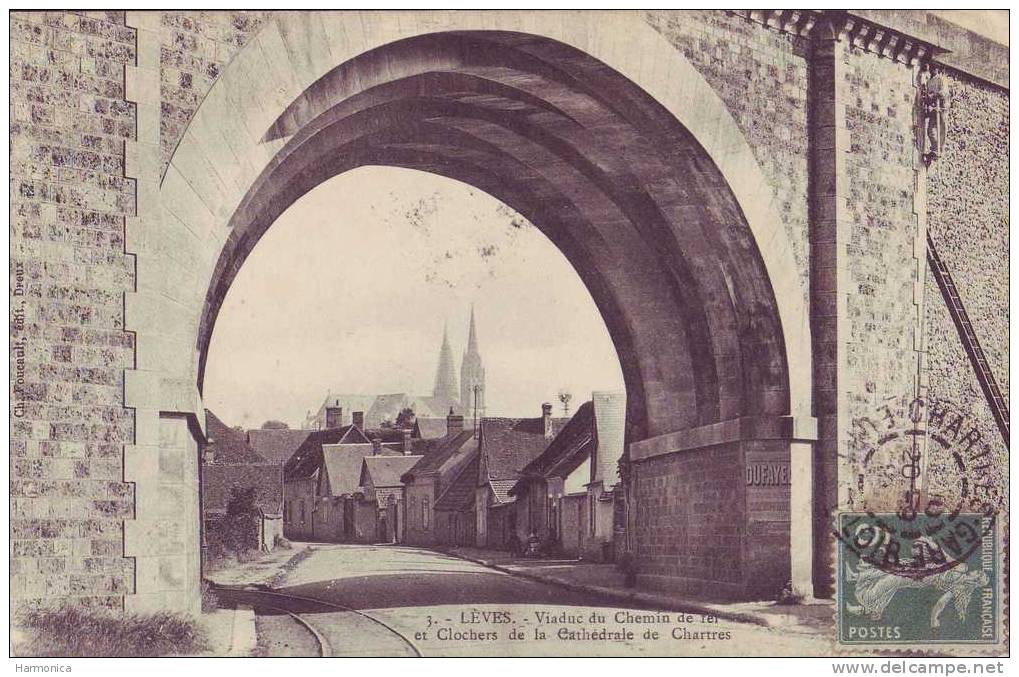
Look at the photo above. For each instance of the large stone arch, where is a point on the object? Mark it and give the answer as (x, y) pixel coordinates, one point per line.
(589, 124)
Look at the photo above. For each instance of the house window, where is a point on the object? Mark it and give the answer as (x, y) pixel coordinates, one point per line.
(424, 512)
(300, 509)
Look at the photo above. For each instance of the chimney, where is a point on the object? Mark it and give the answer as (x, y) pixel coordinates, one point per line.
(358, 419)
(334, 416)
(406, 442)
(376, 446)
(454, 423)
(546, 420)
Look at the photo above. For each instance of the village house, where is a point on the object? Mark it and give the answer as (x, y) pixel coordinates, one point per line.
(505, 446)
(230, 465)
(382, 489)
(318, 478)
(566, 496)
(431, 476)
(324, 498)
(455, 517)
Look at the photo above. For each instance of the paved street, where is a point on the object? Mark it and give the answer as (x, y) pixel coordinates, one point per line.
(416, 601)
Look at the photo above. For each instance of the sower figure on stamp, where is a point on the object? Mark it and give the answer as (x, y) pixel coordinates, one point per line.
(875, 589)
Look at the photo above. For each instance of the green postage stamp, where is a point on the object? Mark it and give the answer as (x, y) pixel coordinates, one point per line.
(920, 580)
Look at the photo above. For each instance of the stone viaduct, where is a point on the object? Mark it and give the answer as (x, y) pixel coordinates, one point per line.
(744, 193)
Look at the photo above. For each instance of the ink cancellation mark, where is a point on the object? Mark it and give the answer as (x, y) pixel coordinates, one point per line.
(917, 561)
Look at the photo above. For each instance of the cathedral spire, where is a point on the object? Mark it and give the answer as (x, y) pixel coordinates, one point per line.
(445, 375)
(472, 337)
(472, 375)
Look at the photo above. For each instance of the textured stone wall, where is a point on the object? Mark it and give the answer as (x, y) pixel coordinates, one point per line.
(69, 273)
(881, 361)
(768, 99)
(194, 48)
(968, 218)
(967, 192)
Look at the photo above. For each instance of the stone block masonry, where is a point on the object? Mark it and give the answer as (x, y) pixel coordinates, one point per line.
(69, 198)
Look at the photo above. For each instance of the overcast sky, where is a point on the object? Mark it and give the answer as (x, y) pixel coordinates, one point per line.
(349, 289)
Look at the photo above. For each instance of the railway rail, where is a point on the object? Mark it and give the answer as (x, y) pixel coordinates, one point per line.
(299, 608)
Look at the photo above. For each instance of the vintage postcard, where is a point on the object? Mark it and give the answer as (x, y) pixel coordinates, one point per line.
(649, 333)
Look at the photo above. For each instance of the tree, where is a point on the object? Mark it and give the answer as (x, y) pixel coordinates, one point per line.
(406, 418)
(242, 501)
(275, 425)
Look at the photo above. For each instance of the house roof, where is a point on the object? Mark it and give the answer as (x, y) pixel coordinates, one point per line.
(276, 445)
(228, 445)
(511, 443)
(308, 457)
(501, 490)
(385, 471)
(429, 428)
(441, 450)
(266, 478)
(459, 495)
(342, 466)
(570, 448)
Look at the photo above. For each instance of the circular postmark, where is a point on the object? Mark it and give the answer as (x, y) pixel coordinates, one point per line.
(922, 496)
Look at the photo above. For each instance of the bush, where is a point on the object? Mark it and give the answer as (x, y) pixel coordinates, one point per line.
(250, 555)
(210, 600)
(72, 632)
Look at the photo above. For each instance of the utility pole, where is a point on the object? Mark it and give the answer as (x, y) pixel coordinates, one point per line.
(476, 388)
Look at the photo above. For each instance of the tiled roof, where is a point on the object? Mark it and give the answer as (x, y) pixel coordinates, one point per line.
(276, 445)
(342, 466)
(267, 478)
(500, 490)
(308, 457)
(459, 495)
(511, 443)
(441, 451)
(571, 447)
(385, 471)
(227, 444)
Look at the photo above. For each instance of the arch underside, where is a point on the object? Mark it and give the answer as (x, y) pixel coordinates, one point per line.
(611, 177)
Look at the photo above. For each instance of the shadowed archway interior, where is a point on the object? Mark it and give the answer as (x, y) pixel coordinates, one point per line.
(610, 176)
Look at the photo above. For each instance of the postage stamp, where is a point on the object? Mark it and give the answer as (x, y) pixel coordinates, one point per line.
(919, 580)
